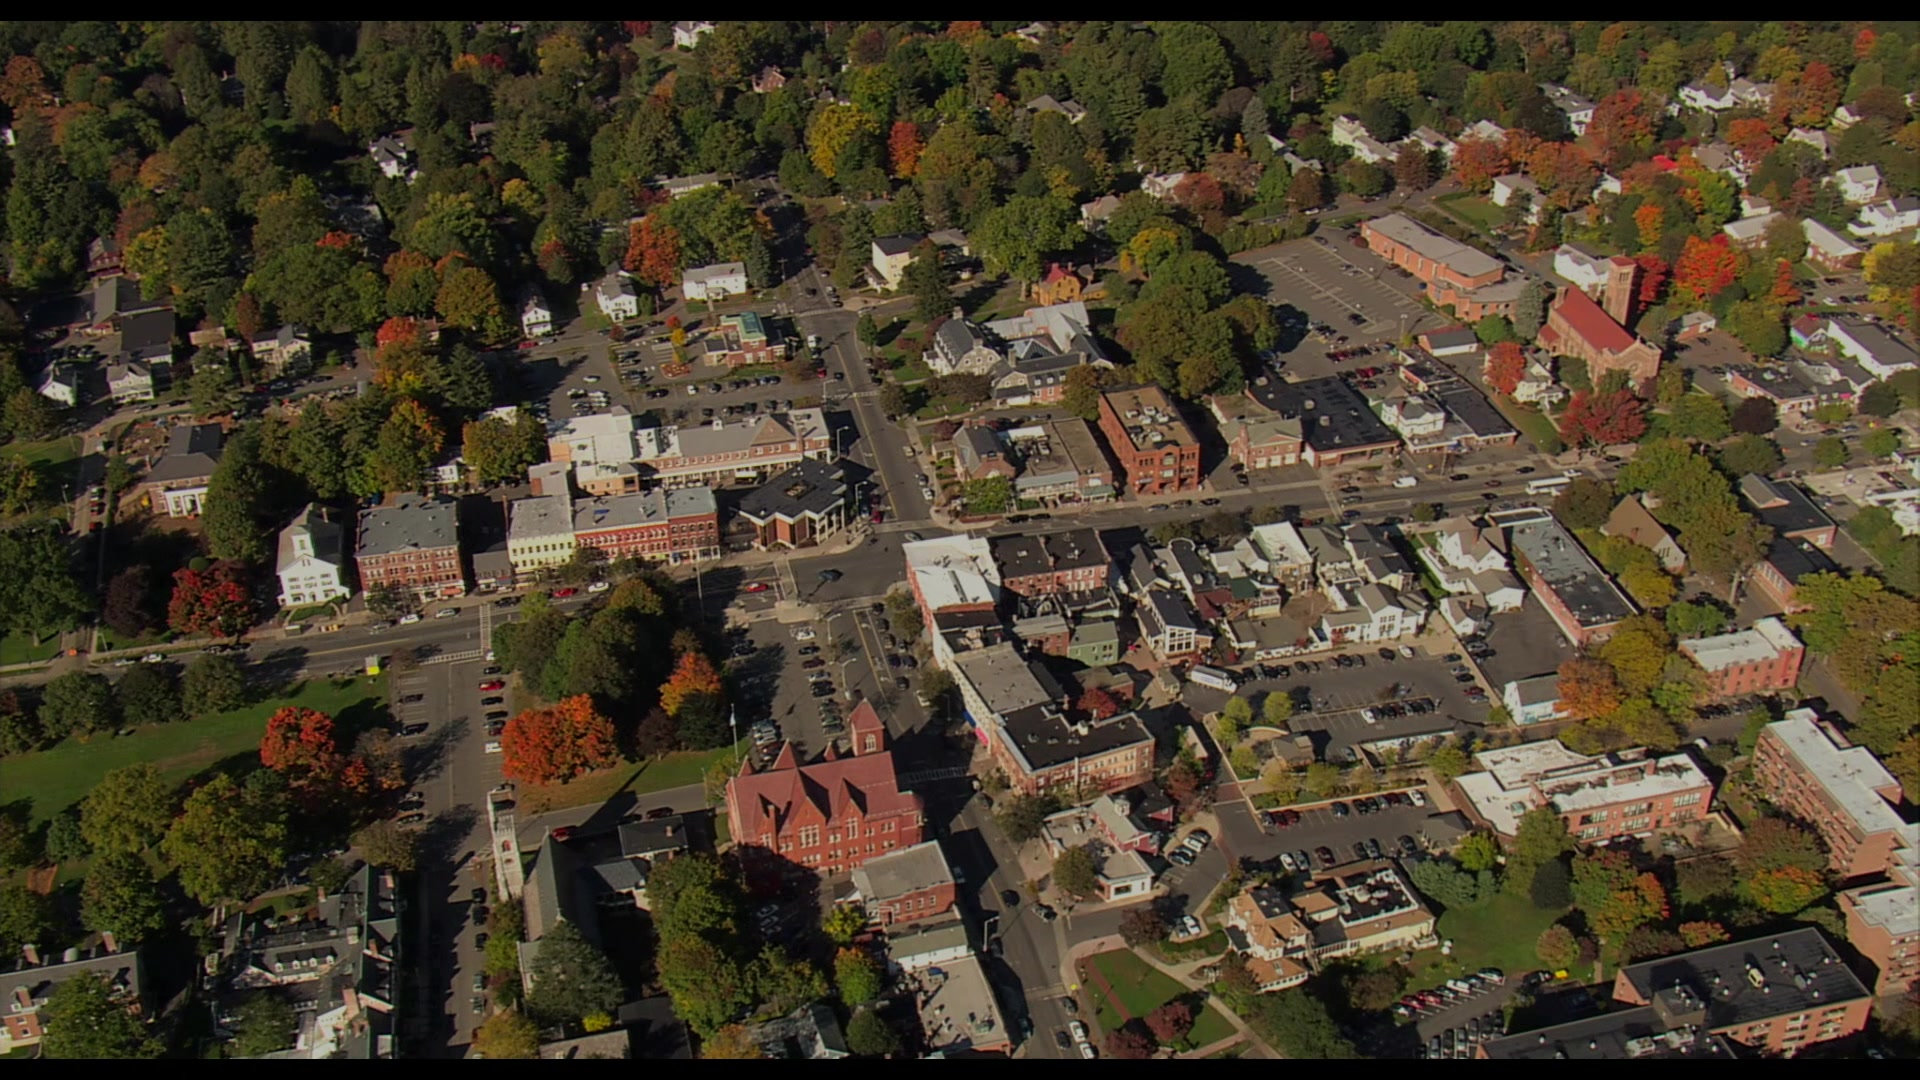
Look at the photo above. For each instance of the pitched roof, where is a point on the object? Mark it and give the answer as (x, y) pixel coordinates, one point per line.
(1591, 323)
(192, 452)
(769, 802)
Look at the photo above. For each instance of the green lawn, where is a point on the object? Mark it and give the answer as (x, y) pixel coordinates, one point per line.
(20, 649)
(1500, 935)
(1537, 426)
(54, 462)
(1476, 210)
(1142, 989)
(57, 778)
(677, 769)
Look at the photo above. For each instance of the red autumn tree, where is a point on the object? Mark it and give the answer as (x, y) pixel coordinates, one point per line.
(339, 241)
(1596, 419)
(1199, 193)
(1587, 689)
(1654, 273)
(1098, 704)
(1620, 130)
(1753, 137)
(1477, 161)
(1506, 366)
(1129, 1043)
(217, 601)
(1650, 220)
(557, 743)
(1863, 43)
(694, 674)
(298, 742)
(1784, 291)
(1817, 94)
(1706, 267)
(397, 328)
(903, 149)
(1171, 1022)
(653, 253)
(248, 319)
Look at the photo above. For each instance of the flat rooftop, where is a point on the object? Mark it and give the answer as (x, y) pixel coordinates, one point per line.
(897, 873)
(1759, 979)
(1333, 415)
(953, 571)
(1570, 572)
(1852, 777)
(1461, 259)
(1000, 675)
(1766, 639)
(645, 508)
(1614, 1036)
(1150, 417)
(409, 523)
(1043, 738)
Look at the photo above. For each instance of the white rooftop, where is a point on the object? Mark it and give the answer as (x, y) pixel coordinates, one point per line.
(1850, 777)
(1282, 544)
(1570, 781)
(954, 571)
(1764, 640)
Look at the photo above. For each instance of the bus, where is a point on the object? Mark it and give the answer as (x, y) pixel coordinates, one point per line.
(1552, 485)
(1214, 677)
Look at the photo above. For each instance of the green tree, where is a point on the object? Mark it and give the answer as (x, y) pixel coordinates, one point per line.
(571, 978)
(856, 976)
(1880, 442)
(1477, 852)
(85, 1018)
(65, 840)
(235, 507)
(1584, 504)
(1879, 399)
(1750, 454)
(267, 1023)
(79, 702)
(508, 1035)
(1017, 239)
(148, 694)
(1831, 452)
(1077, 873)
(227, 844)
(1448, 763)
(1019, 816)
(870, 1036)
(1614, 896)
(844, 923)
(26, 918)
(707, 986)
(1276, 709)
(1081, 396)
(1300, 1027)
(1493, 329)
(212, 684)
(1321, 779)
(119, 896)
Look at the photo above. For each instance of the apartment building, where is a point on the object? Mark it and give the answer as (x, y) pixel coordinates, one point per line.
(1358, 908)
(1759, 660)
(1041, 748)
(1883, 925)
(1156, 452)
(1337, 422)
(1603, 797)
(1807, 768)
(1790, 560)
(540, 535)
(952, 574)
(1771, 996)
(1074, 562)
(670, 526)
(1257, 437)
(744, 451)
(412, 543)
(830, 816)
(1582, 600)
(1060, 462)
(29, 986)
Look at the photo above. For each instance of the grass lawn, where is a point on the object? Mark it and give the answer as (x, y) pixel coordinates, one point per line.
(110, 641)
(1500, 935)
(677, 769)
(311, 611)
(20, 649)
(1476, 210)
(1537, 426)
(1141, 989)
(57, 778)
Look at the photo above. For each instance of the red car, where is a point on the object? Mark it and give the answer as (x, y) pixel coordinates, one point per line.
(879, 516)
(563, 834)
(493, 684)
(528, 344)
(562, 594)
(756, 586)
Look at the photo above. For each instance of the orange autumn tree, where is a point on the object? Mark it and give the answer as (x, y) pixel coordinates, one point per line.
(557, 743)
(694, 674)
(1784, 293)
(903, 149)
(1588, 689)
(1653, 277)
(1649, 220)
(1753, 138)
(1706, 267)
(1477, 161)
(653, 253)
(300, 745)
(1506, 366)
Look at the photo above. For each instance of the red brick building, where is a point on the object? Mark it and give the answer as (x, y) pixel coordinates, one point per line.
(1883, 924)
(1760, 660)
(412, 544)
(1810, 770)
(21, 1025)
(906, 886)
(681, 525)
(830, 816)
(1074, 561)
(1154, 448)
(1580, 328)
(1445, 265)
(1601, 798)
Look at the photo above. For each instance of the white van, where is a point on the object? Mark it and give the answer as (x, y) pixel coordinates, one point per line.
(1406, 482)
(1214, 677)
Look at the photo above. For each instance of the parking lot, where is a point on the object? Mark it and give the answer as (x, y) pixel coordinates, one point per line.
(1333, 281)
(1340, 694)
(846, 651)
(1457, 1023)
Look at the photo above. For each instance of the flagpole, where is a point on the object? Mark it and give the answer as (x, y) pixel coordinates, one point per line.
(733, 726)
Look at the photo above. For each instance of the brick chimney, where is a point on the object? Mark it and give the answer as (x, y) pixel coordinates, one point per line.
(108, 942)
(32, 954)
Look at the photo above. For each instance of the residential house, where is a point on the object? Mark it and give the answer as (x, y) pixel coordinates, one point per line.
(890, 257)
(1750, 232)
(1337, 423)
(177, 484)
(687, 35)
(129, 382)
(827, 817)
(1533, 700)
(412, 543)
(1734, 93)
(1601, 797)
(1354, 135)
(281, 349)
(1769, 997)
(1169, 627)
(768, 80)
(616, 295)
(1843, 118)
(714, 282)
(961, 347)
(1808, 768)
(1359, 908)
(644, 1030)
(800, 507)
(1787, 510)
(337, 966)
(1630, 520)
(1582, 600)
(61, 385)
(1871, 345)
(33, 982)
(907, 885)
(679, 187)
(1060, 462)
(1372, 613)
(1578, 327)
(1470, 280)
(311, 561)
(1723, 159)
(1828, 249)
(1578, 110)
(1760, 660)
(1072, 110)
(1858, 185)
(809, 1033)
(1485, 130)
(1467, 560)
(393, 154)
(104, 256)
(1257, 437)
(1161, 186)
(110, 302)
(721, 452)
(1812, 137)
(1156, 452)
(1430, 141)
(1094, 215)
(536, 315)
(1516, 187)
(1889, 218)
(671, 526)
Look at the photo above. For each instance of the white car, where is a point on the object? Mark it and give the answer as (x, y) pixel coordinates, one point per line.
(493, 748)
(1572, 474)
(1406, 652)
(599, 586)
(447, 613)
(805, 633)
(1087, 1051)
(410, 618)
(154, 658)
(1417, 797)
(593, 378)
(1079, 1031)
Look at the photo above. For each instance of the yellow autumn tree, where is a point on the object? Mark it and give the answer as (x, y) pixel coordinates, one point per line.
(831, 130)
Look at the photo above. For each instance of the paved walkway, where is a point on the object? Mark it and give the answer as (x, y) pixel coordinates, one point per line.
(1077, 959)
